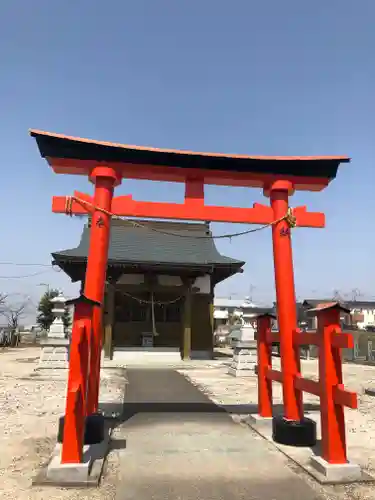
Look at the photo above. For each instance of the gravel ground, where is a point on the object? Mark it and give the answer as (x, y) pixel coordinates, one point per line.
(30, 404)
(227, 390)
(32, 400)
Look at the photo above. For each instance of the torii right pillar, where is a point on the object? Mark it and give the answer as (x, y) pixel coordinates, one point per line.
(279, 192)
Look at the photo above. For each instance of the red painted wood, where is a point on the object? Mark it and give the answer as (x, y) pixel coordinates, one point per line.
(273, 336)
(332, 398)
(342, 340)
(74, 426)
(194, 193)
(105, 180)
(308, 219)
(192, 209)
(75, 411)
(275, 375)
(264, 366)
(306, 338)
(286, 300)
(344, 397)
(307, 385)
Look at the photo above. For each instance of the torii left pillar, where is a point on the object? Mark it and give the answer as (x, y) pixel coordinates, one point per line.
(105, 179)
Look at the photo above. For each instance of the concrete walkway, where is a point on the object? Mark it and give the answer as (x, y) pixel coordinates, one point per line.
(176, 444)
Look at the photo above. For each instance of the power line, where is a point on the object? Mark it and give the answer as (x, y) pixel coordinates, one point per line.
(28, 264)
(23, 276)
(24, 264)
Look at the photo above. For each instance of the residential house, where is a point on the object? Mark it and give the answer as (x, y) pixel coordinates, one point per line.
(362, 313)
(244, 309)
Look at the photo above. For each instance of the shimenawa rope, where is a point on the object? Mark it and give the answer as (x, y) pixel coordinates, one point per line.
(288, 217)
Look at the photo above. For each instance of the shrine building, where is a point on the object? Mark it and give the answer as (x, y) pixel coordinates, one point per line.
(160, 286)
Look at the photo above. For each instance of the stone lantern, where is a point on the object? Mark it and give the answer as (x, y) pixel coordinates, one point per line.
(57, 329)
(55, 346)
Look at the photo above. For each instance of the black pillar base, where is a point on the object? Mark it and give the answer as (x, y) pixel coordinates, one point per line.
(294, 433)
(94, 429)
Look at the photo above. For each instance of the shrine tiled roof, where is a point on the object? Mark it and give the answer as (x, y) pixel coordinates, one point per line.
(155, 242)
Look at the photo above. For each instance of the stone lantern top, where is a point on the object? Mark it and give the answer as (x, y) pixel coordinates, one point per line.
(58, 310)
(59, 299)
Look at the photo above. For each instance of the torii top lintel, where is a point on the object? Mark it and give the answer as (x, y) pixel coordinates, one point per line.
(73, 155)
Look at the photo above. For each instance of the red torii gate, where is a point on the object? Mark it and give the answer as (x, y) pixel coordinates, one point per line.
(106, 164)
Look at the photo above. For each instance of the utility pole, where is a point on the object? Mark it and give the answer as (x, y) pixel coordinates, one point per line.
(337, 295)
(356, 293)
(251, 289)
(44, 284)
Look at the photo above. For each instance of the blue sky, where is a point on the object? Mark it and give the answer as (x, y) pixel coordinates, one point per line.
(270, 77)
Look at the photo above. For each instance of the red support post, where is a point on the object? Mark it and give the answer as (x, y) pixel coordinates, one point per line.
(76, 400)
(264, 365)
(74, 424)
(194, 193)
(105, 179)
(286, 300)
(330, 378)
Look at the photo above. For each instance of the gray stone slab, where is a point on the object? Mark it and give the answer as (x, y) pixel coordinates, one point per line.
(307, 460)
(87, 474)
(250, 344)
(240, 372)
(54, 353)
(60, 350)
(67, 473)
(48, 341)
(259, 422)
(336, 473)
(47, 349)
(244, 358)
(53, 366)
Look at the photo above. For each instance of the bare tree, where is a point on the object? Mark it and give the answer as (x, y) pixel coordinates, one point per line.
(337, 296)
(14, 312)
(3, 300)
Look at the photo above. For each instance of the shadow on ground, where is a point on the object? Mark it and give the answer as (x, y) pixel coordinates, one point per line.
(122, 413)
(169, 392)
(164, 397)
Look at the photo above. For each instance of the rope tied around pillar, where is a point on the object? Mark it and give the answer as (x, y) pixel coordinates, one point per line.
(289, 217)
(69, 205)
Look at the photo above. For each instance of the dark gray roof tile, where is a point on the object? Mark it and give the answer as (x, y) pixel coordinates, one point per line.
(151, 244)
